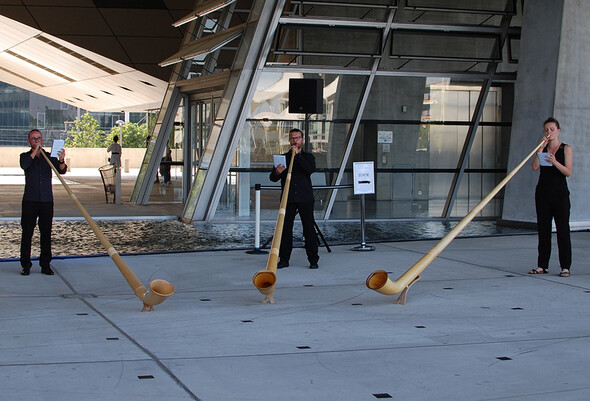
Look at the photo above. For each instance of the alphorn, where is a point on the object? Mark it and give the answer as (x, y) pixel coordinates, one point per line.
(265, 280)
(159, 289)
(380, 282)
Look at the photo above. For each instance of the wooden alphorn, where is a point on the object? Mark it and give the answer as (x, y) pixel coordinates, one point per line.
(379, 281)
(159, 289)
(265, 280)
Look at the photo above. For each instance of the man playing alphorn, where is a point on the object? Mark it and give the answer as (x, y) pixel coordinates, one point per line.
(300, 199)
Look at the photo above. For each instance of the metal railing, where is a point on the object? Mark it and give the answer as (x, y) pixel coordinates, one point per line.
(260, 187)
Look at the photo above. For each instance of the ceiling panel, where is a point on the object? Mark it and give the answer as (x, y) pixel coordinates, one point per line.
(58, 61)
(7, 75)
(55, 68)
(185, 5)
(13, 33)
(130, 36)
(133, 4)
(150, 23)
(104, 30)
(160, 48)
(154, 70)
(68, 3)
(18, 13)
(83, 53)
(69, 20)
(30, 70)
(110, 45)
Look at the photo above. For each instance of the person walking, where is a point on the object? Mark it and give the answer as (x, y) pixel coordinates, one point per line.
(37, 201)
(300, 200)
(165, 167)
(552, 199)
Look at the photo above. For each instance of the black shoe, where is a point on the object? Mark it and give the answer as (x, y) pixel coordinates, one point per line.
(282, 264)
(25, 271)
(313, 266)
(47, 271)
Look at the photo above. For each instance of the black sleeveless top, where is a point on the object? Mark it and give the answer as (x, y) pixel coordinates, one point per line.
(550, 178)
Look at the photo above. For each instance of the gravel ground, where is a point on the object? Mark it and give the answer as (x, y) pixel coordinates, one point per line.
(77, 238)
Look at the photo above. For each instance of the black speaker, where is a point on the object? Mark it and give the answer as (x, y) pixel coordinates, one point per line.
(306, 95)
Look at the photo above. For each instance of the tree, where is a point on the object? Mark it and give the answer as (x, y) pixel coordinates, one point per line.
(86, 134)
(134, 135)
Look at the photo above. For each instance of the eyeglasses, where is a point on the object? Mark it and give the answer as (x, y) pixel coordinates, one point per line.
(35, 139)
(294, 138)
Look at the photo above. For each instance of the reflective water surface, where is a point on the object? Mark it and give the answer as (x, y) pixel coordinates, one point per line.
(77, 238)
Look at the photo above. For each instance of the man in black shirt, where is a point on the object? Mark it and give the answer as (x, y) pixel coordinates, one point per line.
(37, 202)
(300, 200)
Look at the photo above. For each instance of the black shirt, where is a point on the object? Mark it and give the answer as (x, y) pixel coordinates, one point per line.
(550, 178)
(38, 176)
(300, 189)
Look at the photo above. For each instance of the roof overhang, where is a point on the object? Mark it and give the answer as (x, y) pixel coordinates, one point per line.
(44, 64)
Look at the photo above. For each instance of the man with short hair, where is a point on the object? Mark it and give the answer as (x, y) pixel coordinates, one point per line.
(300, 200)
(38, 201)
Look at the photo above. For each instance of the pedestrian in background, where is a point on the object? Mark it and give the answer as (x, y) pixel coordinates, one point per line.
(116, 151)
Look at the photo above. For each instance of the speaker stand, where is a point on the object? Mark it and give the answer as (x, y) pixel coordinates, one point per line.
(306, 134)
(321, 237)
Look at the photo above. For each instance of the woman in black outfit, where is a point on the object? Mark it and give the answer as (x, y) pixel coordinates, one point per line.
(552, 200)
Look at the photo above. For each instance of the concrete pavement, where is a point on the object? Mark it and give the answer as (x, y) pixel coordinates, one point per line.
(87, 185)
(475, 327)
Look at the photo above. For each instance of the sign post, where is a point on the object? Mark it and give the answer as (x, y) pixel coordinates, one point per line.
(364, 183)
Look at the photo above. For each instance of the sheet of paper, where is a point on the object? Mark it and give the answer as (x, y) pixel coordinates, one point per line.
(279, 159)
(543, 158)
(58, 144)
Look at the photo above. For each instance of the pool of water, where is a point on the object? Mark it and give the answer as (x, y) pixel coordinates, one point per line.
(77, 238)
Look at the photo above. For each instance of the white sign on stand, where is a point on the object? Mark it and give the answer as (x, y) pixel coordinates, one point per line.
(364, 178)
(364, 183)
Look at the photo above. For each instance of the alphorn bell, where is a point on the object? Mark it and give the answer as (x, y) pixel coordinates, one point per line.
(265, 280)
(159, 289)
(380, 282)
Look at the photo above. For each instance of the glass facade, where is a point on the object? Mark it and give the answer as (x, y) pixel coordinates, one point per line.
(423, 91)
(22, 111)
(415, 147)
(421, 88)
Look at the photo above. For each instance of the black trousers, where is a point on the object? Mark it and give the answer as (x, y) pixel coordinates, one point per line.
(305, 210)
(30, 212)
(166, 174)
(553, 206)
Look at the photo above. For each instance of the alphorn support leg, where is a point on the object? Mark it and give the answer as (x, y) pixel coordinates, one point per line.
(147, 308)
(402, 297)
(268, 298)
